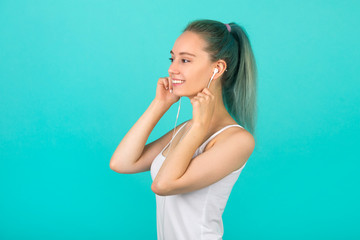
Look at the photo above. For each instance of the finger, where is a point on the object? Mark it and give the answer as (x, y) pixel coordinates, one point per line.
(207, 91)
(199, 99)
(193, 101)
(170, 84)
(204, 96)
(166, 83)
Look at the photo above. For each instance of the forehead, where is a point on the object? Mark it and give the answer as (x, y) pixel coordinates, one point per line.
(190, 42)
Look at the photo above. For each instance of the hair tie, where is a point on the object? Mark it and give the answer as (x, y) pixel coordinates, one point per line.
(228, 27)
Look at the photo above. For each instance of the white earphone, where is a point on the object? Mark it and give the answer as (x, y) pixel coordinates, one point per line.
(215, 71)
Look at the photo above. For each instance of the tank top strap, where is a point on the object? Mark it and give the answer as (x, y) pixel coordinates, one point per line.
(175, 134)
(202, 146)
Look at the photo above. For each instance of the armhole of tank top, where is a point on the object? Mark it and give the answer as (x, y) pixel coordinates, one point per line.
(239, 169)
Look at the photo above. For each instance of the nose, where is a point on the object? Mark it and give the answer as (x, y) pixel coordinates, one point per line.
(173, 69)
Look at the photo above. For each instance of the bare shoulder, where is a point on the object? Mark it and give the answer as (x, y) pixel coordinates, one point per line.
(233, 135)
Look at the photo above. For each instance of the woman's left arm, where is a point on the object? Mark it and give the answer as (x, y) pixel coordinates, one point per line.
(178, 160)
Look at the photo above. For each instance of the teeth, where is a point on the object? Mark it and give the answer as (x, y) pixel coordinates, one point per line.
(177, 81)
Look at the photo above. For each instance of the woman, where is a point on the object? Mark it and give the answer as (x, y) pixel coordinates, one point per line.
(193, 179)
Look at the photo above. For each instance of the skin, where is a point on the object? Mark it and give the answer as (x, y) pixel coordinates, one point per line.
(180, 173)
(197, 72)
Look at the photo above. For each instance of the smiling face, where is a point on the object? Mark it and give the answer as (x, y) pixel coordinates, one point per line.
(191, 63)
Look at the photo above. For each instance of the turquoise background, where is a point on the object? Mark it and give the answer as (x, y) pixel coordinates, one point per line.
(76, 75)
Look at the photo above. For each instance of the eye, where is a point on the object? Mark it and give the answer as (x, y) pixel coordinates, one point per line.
(171, 59)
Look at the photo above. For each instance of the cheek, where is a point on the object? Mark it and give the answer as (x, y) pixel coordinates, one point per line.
(197, 77)
(198, 83)
(200, 76)
(202, 79)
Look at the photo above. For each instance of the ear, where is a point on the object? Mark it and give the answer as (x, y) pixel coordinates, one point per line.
(221, 65)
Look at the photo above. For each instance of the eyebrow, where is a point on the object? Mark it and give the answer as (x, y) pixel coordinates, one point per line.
(182, 53)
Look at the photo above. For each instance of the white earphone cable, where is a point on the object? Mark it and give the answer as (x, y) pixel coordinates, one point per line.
(215, 71)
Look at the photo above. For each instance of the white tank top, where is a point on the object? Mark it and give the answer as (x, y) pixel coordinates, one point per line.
(195, 215)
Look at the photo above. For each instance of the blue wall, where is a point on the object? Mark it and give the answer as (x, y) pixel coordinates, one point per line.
(76, 75)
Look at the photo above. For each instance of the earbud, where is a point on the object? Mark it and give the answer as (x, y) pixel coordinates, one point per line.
(215, 71)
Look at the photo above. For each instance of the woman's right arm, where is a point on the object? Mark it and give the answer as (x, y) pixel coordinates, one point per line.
(132, 145)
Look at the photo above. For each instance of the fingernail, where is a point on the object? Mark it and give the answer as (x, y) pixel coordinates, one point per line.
(171, 90)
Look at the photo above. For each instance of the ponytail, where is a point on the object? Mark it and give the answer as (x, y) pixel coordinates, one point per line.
(240, 80)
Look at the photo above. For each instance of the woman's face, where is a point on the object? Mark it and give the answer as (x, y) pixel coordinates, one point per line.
(191, 63)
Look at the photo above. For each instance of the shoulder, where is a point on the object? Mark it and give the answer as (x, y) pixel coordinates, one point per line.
(233, 136)
(235, 145)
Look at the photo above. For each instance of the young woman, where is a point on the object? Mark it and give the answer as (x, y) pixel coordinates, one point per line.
(193, 178)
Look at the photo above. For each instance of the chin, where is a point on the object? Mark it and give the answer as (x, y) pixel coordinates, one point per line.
(185, 93)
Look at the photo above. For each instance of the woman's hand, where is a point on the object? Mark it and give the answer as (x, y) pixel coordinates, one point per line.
(163, 93)
(203, 108)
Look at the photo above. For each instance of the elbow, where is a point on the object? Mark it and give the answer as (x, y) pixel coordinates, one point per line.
(158, 189)
(117, 168)
(113, 166)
